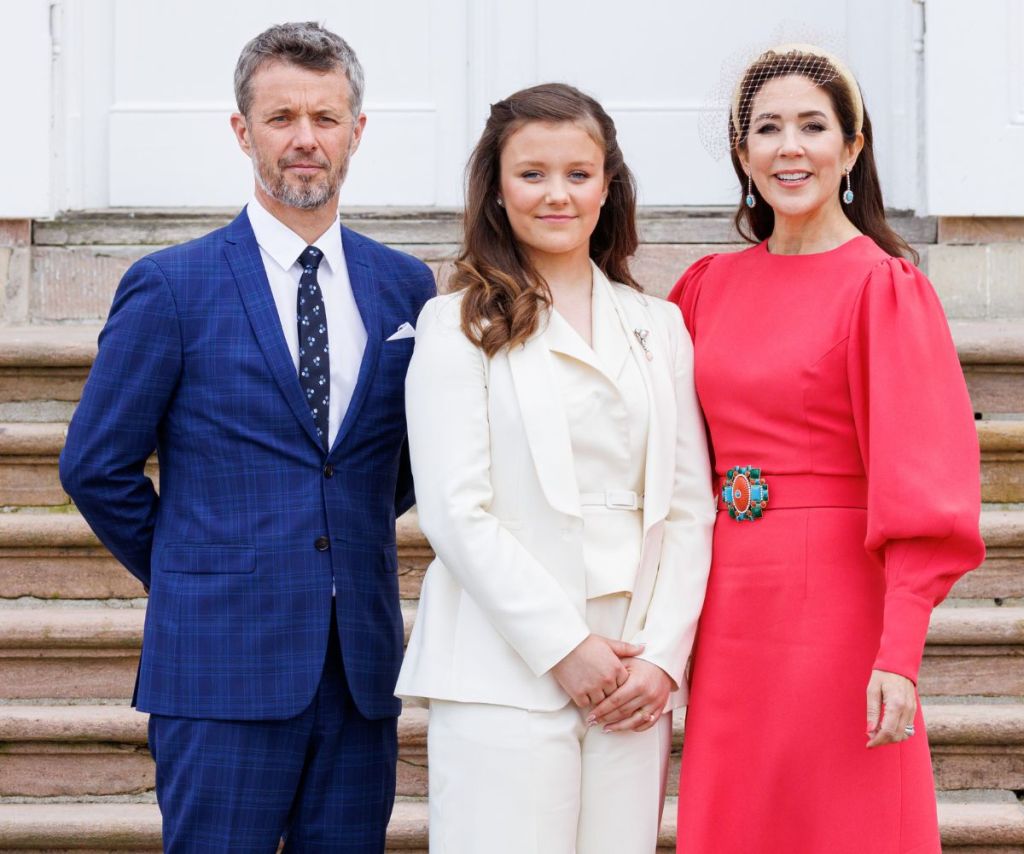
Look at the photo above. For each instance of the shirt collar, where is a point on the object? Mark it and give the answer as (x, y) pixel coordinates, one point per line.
(284, 245)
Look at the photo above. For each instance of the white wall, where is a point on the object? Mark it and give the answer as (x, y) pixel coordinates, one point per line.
(25, 144)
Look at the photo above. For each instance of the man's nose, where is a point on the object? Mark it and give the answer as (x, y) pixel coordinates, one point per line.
(304, 135)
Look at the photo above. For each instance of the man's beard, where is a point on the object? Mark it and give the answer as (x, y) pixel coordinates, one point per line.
(312, 193)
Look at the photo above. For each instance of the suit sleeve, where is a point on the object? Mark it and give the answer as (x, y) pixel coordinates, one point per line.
(449, 440)
(919, 446)
(114, 429)
(685, 561)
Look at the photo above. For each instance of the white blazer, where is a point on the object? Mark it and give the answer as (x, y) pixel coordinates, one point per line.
(497, 497)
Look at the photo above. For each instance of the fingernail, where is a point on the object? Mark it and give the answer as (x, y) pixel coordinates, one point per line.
(591, 720)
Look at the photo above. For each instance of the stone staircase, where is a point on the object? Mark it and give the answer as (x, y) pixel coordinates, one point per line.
(75, 773)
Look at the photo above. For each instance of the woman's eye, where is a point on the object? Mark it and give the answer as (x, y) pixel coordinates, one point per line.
(814, 127)
(766, 128)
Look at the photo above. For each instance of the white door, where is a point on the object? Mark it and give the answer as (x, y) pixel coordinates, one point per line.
(147, 88)
(975, 107)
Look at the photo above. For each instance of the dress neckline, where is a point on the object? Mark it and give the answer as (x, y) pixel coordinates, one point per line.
(763, 247)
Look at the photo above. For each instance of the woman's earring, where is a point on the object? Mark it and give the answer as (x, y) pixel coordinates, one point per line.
(501, 202)
(750, 201)
(848, 194)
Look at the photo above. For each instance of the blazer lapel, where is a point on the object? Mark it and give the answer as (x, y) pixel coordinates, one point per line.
(545, 423)
(364, 289)
(243, 256)
(657, 374)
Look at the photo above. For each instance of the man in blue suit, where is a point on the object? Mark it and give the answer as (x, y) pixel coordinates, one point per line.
(265, 364)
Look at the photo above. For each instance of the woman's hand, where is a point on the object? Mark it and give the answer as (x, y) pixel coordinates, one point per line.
(897, 696)
(594, 669)
(638, 703)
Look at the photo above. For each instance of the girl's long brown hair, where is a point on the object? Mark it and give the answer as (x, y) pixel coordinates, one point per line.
(867, 212)
(504, 293)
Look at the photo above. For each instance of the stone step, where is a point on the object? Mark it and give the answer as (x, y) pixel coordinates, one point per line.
(56, 556)
(79, 651)
(54, 828)
(74, 751)
(988, 822)
(29, 453)
(42, 368)
(974, 650)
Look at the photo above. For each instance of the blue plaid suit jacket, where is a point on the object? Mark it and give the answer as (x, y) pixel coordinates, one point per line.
(193, 363)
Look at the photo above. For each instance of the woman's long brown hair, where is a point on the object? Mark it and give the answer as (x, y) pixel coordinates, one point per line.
(867, 212)
(504, 293)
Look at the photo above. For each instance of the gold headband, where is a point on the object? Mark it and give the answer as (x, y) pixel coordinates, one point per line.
(805, 50)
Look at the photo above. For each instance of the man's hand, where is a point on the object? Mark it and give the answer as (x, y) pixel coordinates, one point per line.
(897, 696)
(594, 669)
(637, 704)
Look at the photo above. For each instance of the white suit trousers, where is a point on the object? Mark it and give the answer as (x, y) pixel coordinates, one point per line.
(507, 780)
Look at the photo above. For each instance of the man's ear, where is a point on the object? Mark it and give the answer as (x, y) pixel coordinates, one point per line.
(357, 134)
(241, 129)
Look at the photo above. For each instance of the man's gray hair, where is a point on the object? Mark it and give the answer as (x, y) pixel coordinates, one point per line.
(306, 44)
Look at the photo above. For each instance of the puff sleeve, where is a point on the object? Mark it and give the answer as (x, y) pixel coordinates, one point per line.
(919, 445)
(686, 291)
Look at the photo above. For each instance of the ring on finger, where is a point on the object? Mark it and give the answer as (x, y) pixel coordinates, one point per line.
(909, 730)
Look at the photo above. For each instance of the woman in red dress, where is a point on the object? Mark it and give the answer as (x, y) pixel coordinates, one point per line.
(824, 363)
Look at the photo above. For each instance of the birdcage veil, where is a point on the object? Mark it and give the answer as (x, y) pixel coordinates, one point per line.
(722, 121)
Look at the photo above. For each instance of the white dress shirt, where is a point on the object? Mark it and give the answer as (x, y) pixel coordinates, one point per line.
(606, 405)
(280, 248)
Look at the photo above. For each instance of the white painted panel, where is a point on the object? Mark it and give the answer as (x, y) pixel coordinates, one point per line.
(171, 97)
(975, 107)
(655, 67)
(25, 172)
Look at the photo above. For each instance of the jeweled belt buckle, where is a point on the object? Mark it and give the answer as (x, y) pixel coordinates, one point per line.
(745, 493)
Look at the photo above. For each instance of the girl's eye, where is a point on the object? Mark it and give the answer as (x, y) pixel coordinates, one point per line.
(578, 175)
(532, 175)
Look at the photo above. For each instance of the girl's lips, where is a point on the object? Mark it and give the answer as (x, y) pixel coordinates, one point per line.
(556, 218)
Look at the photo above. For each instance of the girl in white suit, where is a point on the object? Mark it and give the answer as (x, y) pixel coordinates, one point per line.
(562, 479)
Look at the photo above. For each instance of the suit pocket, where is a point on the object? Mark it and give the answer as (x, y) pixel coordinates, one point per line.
(202, 559)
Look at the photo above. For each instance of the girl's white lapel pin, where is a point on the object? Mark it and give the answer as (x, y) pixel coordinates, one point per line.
(641, 336)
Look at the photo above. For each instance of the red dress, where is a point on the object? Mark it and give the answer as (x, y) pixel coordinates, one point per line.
(835, 373)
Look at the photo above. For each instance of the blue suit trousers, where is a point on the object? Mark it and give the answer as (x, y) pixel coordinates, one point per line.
(324, 780)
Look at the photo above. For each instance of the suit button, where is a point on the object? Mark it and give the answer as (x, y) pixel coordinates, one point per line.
(328, 470)
(321, 544)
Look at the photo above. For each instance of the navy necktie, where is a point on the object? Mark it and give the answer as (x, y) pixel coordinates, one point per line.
(314, 361)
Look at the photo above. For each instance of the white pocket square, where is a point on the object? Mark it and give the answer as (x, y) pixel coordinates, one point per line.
(406, 330)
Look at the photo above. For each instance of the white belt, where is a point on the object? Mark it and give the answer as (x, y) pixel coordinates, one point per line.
(613, 499)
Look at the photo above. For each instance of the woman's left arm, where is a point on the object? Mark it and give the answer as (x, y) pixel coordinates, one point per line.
(919, 447)
(685, 559)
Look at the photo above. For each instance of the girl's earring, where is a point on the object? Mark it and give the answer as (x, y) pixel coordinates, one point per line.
(848, 194)
(750, 201)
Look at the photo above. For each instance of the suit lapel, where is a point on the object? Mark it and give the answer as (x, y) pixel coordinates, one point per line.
(545, 423)
(364, 289)
(243, 256)
(657, 374)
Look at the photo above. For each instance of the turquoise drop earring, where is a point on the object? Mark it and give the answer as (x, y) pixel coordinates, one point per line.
(848, 193)
(750, 201)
